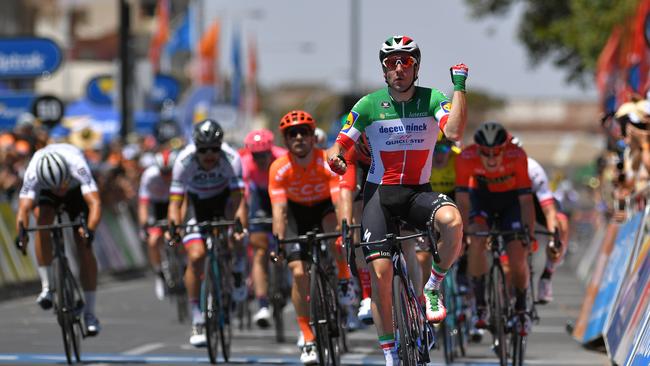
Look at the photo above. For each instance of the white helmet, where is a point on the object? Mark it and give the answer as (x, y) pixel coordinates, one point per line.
(52, 170)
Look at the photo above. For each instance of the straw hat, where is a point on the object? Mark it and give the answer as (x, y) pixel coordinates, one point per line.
(86, 138)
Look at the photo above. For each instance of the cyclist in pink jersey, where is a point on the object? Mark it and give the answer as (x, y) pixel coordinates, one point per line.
(256, 158)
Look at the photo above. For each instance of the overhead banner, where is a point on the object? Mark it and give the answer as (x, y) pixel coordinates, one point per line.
(26, 57)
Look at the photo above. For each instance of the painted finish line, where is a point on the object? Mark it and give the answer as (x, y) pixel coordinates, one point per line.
(32, 358)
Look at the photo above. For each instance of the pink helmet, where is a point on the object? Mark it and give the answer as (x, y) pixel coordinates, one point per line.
(259, 140)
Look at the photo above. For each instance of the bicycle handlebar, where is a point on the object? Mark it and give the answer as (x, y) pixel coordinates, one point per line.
(208, 224)
(310, 236)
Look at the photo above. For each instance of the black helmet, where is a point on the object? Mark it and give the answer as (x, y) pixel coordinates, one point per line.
(207, 133)
(490, 134)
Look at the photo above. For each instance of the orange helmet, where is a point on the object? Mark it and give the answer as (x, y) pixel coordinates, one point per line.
(297, 118)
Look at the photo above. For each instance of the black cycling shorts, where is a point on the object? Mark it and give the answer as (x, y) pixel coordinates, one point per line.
(205, 209)
(158, 211)
(416, 205)
(504, 205)
(259, 207)
(302, 219)
(72, 202)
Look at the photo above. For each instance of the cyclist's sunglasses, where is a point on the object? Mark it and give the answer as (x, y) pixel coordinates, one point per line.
(490, 151)
(406, 61)
(206, 149)
(442, 148)
(294, 131)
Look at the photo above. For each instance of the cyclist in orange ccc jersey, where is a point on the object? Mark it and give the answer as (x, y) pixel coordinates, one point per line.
(303, 189)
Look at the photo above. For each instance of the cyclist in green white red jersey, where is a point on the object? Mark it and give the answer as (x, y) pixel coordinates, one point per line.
(401, 123)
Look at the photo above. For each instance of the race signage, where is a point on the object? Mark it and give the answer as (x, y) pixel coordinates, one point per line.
(48, 109)
(28, 57)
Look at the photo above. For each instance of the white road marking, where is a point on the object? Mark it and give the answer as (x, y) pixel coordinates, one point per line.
(145, 348)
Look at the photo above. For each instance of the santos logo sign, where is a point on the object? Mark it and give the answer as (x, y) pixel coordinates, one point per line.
(28, 57)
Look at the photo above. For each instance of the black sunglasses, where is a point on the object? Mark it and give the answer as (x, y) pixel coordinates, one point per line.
(303, 131)
(203, 150)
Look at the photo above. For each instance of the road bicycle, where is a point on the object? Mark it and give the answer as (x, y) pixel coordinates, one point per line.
(173, 270)
(216, 290)
(68, 298)
(325, 311)
(414, 334)
(503, 318)
(454, 330)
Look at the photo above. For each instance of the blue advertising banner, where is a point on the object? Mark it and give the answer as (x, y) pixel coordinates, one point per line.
(24, 57)
(640, 356)
(100, 89)
(13, 105)
(164, 87)
(612, 278)
(628, 313)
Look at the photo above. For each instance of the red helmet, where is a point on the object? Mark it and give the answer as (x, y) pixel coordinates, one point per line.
(165, 160)
(297, 118)
(259, 140)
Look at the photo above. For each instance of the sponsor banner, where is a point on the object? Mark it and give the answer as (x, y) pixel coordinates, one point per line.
(28, 57)
(165, 87)
(627, 316)
(13, 105)
(640, 356)
(594, 283)
(101, 89)
(612, 278)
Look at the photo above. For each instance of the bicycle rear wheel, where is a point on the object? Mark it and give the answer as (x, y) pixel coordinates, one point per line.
(65, 310)
(449, 327)
(175, 285)
(212, 309)
(498, 316)
(406, 344)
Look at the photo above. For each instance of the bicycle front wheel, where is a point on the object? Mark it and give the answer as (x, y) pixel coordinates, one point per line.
(407, 347)
(211, 309)
(518, 347)
(498, 313)
(326, 347)
(278, 295)
(65, 309)
(225, 324)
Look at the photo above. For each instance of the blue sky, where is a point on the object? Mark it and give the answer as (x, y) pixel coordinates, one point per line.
(308, 41)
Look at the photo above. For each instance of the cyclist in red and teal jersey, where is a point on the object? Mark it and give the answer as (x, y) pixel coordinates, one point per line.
(401, 123)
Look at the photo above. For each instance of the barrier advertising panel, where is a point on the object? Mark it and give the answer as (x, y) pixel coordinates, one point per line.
(612, 278)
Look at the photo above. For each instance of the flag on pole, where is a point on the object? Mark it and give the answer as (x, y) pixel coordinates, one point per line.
(607, 69)
(161, 35)
(236, 79)
(208, 55)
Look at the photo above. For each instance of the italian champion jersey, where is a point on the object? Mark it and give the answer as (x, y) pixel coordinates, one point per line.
(401, 135)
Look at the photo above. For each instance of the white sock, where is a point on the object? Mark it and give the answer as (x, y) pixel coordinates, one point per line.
(197, 315)
(90, 302)
(45, 272)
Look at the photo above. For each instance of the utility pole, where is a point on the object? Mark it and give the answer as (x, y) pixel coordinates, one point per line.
(125, 70)
(355, 31)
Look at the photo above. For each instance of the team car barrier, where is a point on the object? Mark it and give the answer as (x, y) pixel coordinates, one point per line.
(117, 247)
(616, 309)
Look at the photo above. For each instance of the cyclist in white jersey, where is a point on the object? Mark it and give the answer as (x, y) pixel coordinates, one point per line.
(401, 123)
(153, 201)
(209, 173)
(548, 214)
(58, 176)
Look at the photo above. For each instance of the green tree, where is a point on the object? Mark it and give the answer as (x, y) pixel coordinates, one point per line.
(570, 33)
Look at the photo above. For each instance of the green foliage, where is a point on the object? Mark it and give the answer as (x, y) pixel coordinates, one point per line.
(570, 33)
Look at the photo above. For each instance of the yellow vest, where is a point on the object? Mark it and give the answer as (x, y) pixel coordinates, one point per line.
(443, 179)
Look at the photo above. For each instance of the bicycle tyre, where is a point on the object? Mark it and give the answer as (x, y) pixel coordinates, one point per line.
(320, 319)
(64, 311)
(449, 325)
(518, 345)
(406, 346)
(211, 309)
(334, 321)
(498, 317)
(176, 286)
(277, 297)
(225, 323)
(74, 296)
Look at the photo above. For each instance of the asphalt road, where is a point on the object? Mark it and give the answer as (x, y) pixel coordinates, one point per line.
(139, 329)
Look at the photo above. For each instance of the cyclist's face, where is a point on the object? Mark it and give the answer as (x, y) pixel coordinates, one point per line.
(491, 157)
(400, 71)
(299, 140)
(208, 156)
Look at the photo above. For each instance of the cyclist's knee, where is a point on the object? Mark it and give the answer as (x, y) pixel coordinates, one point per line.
(448, 217)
